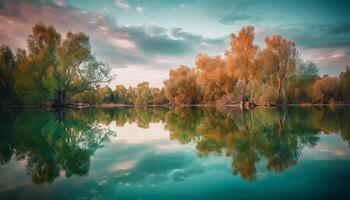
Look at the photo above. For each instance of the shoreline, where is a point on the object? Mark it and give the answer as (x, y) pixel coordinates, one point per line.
(113, 105)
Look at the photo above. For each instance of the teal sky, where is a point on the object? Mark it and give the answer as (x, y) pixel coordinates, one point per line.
(142, 40)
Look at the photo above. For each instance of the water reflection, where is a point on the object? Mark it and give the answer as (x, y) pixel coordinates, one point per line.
(52, 143)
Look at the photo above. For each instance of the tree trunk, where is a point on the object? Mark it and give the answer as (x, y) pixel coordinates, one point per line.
(279, 87)
(243, 93)
(60, 100)
(251, 92)
(285, 97)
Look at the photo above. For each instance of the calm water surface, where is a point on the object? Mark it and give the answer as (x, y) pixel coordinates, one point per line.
(159, 153)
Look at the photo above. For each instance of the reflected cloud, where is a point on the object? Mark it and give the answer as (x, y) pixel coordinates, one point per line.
(156, 145)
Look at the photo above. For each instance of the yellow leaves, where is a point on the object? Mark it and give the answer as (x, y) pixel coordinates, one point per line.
(181, 87)
(324, 89)
(214, 77)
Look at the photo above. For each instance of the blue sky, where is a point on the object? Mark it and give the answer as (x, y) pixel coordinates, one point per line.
(142, 40)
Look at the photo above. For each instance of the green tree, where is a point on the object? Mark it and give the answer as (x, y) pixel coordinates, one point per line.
(300, 82)
(104, 95)
(59, 69)
(7, 69)
(25, 86)
(120, 94)
(344, 84)
(78, 70)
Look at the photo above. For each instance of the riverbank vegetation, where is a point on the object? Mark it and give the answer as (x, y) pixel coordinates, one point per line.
(65, 70)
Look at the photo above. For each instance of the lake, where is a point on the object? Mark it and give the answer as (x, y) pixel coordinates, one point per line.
(163, 153)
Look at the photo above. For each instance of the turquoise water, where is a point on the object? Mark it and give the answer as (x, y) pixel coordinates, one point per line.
(161, 153)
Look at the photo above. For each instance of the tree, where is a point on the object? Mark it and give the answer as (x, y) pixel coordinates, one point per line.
(143, 94)
(104, 95)
(344, 84)
(120, 94)
(280, 59)
(181, 87)
(58, 69)
(300, 81)
(214, 78)
(42, 45)
(7, 69)
(25, 86)
(158, 96)
(78, 70)
(324, 90)
(242, 57)
(131, 95)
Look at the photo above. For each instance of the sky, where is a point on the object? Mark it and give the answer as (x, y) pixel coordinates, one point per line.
(143, 39)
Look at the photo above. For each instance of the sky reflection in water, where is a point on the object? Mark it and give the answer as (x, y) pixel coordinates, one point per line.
(175, 153)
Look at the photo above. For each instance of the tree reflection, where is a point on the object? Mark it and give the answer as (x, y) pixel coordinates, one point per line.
(276, 135)
(52, 143)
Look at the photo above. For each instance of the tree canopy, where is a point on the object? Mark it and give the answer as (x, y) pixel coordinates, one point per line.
(64, 69)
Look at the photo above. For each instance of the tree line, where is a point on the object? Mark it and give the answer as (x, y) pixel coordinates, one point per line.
(250, 75)
(67, 71)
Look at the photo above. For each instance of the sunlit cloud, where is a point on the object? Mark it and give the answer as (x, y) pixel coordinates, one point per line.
(333, 151)
(59, 2)
(122, 4)
(335, 56)
(123, 43)
(124, 166)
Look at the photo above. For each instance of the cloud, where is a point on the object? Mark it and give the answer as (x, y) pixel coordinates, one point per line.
(59, 2)
(120, 46)
(139, 9)
(326, 35)
(135, 52)
(228, 12)
(122, 4)
(327, 44)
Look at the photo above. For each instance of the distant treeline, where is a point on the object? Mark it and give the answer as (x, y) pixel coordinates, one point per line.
(66, 71)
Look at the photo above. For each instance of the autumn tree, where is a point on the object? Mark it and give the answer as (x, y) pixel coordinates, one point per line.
(241, 58)
(120, 94)
(280, 60)
(143, 94)
(214, 78)
(324, 90)
(158, 96)
(181, 87)
(104, 94)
